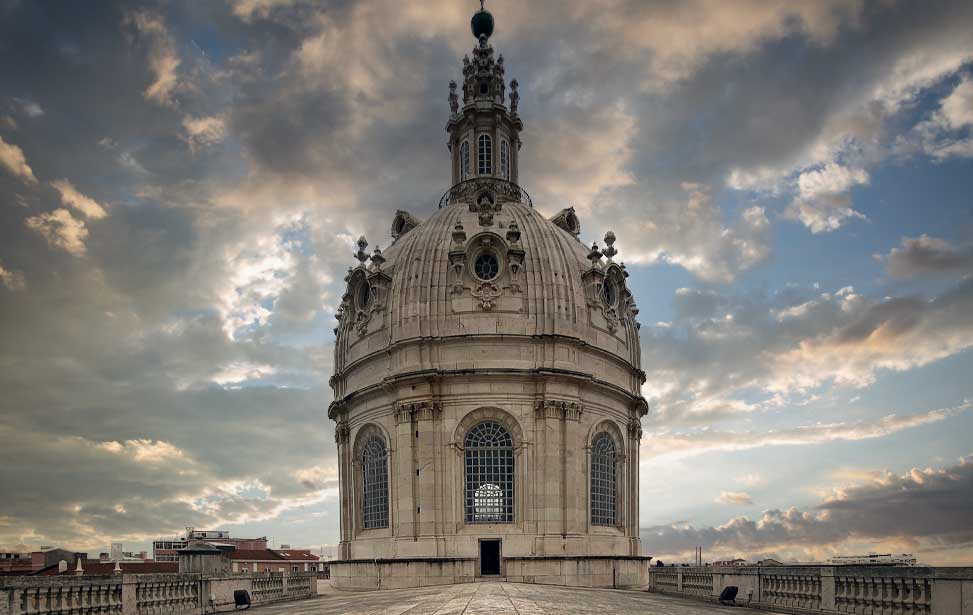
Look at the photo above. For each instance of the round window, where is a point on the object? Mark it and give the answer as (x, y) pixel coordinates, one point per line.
(486, 266)
(608, 292)
(363, 296)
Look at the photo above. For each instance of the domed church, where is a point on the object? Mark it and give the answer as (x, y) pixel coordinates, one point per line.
(487, 380)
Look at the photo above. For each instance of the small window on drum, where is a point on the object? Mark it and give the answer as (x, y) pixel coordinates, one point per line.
(363, 296)
(609, 292)
(486, 266)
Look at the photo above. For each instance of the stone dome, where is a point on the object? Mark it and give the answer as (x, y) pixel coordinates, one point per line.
(487, 380)
(547, 285)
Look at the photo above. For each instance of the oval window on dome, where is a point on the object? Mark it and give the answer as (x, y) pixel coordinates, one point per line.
(609, 293)
(486, 266)
(363, 296)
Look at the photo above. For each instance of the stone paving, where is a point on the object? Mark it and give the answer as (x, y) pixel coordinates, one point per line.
(492, 598)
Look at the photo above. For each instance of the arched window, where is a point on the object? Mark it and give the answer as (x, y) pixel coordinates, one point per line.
(603, 487)
(489, 474)
(375, 489)
(464, 161)
(504, 159)
(485, 155)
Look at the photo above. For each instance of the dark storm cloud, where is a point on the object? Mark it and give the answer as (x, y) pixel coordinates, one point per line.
(931, 508)
(929, 255)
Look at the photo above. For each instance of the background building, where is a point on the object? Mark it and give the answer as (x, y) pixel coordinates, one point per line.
(273, 560)
(167, 549)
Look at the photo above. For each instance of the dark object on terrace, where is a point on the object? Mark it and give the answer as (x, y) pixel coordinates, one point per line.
(729, 595)
(241, 598)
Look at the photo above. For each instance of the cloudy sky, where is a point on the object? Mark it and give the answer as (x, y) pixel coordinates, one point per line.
(790, 183)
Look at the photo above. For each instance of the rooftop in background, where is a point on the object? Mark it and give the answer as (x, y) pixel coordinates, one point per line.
(167, 549)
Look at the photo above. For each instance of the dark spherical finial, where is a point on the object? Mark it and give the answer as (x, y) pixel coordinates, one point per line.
(482, 23)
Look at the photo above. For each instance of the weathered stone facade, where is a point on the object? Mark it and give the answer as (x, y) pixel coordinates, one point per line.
(487, 313)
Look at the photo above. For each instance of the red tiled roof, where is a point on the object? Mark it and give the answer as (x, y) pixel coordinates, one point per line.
(301, 555)
(255, 555)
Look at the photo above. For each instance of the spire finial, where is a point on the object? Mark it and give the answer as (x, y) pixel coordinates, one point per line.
(482, 23)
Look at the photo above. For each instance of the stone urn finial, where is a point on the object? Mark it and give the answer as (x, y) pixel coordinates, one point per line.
(361, 255)
(610, 250)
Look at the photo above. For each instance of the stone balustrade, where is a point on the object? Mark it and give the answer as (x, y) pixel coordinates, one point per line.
(147, 594)
(856, 590)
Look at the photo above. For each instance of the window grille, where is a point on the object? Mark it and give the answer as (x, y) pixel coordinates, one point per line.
(375, 492)
(485, 155)
(489, 474)
(464, 161)
(486, 266)
(504, 160)
(603, 486)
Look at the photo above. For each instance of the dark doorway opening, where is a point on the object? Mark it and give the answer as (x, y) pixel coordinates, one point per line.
(489, 558)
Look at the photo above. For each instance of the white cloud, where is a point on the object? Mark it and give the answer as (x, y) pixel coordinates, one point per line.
(832, 178)
(145, 451)
(12, 158)
(823, 215)
(690, 233)
(943, 134)
(241, 371)
(957, 108)
(734, 497)
(61, 230)
(72, 198)
(203, 131)
(163, 59)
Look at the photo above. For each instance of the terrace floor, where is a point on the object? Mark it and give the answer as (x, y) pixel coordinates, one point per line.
(494, 598)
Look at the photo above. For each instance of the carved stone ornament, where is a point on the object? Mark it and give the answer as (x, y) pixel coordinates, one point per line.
(635, 429)
(457, 258)
(611, 317)
(487, 293)
(502, 191)
(402, 223)
(567, 219)
(558, 409)
(363, 317)
(486, 209)
(419, 411)
(453, 98)
(341, 432)
(378, 284)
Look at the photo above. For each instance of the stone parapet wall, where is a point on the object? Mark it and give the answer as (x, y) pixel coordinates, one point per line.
(147, 594)
(581, 571)
(571, 571)
(367, 575)
(858, 590)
